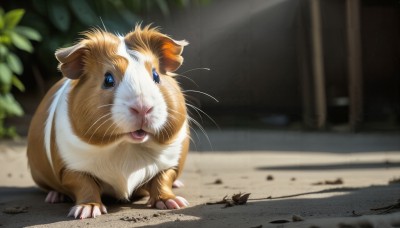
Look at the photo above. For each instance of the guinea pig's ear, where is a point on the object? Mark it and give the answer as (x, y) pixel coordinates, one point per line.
(169, 53)
(71, 60)
(167, 50)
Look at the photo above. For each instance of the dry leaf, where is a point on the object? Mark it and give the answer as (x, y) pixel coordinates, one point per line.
(236, 199)
(243, 199)
(240, 199)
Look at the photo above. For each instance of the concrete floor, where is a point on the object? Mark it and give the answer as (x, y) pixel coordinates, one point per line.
(289, 168)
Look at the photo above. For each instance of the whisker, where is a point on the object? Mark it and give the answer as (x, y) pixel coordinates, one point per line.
(115, 128)
(198, 113)
(191, 140)
(186, 77)
(190, 119)
(199, 68)
(99, 128)
(87, 131)
(209, 117)
(102, 22)
(202, 130)
(106, 105)
(206, 94)
(115, 123)
(195, 132)
(174, 111)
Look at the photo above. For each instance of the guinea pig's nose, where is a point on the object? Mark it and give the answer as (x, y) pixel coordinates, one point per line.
(141, 110)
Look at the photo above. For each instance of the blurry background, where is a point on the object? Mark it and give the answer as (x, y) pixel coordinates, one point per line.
(331, 65)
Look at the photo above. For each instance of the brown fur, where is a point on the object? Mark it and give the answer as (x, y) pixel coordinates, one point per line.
(98, 55)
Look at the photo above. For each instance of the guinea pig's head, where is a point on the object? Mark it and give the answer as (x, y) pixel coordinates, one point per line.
(122, 88)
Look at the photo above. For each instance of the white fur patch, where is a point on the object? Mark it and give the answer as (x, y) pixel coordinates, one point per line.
(137, 89)
(49, 122)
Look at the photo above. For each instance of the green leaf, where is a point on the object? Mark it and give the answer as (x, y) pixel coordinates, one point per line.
(59, 15)
(14, 63)
(3, 50)
(5, 39)
(183, 3)
(13, 17)
(10, 105)
(163, 7)
(2, 116)
(11, 132)
(18, 84)
(5, 74)
(28, 32)
(21, 42)
(83, 11)
(128, 16)
(133, 5)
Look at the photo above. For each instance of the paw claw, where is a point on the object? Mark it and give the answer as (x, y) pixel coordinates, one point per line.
(161, 205)
(182, 201)
(176, 203)
(91, 210)
(171, 204)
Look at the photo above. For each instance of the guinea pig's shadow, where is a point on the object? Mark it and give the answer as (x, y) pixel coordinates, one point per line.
(114, 205)
(25, 206)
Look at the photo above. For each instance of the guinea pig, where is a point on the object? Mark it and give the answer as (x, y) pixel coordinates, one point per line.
(115, 124)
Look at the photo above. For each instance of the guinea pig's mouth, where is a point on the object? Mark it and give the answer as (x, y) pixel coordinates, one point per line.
(139, 135)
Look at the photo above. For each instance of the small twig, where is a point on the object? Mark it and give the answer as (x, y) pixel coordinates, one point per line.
(387, 208)
(223, 201)
(382, 210)
(307, 193)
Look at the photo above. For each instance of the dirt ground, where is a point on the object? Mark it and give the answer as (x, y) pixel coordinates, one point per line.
(325, 180)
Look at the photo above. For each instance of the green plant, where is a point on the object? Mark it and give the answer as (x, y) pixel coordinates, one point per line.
(60, 21)
(12, 38)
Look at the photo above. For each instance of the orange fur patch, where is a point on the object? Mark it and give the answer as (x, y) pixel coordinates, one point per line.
(90, 105)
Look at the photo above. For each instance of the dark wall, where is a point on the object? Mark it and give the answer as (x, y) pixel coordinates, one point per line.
(381, 60)
(250, 47)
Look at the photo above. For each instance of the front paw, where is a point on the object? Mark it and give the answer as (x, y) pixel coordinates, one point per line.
(87, 210)
(175, 203)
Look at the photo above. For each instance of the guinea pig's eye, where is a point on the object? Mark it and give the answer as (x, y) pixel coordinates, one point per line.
(156, 77)
(109, 81)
